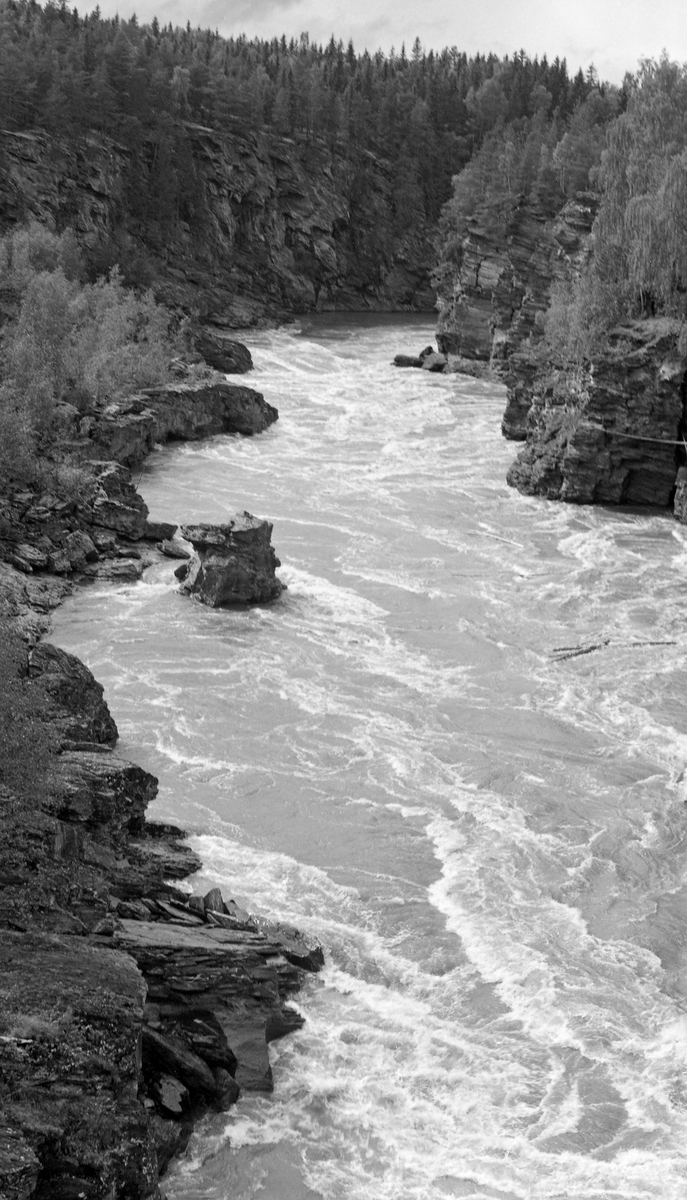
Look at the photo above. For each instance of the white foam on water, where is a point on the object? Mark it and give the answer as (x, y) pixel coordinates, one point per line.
(471, 1034)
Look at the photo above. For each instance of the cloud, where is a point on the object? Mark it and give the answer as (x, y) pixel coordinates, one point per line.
(614, 34)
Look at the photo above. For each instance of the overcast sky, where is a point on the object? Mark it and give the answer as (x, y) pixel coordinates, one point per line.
(613, 34)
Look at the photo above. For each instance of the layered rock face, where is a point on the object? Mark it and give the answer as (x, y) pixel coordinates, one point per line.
(504, 287)
(233, 563)
(608, 435)
(282, 231)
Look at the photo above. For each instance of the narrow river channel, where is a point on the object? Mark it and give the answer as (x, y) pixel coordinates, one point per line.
(404, 756)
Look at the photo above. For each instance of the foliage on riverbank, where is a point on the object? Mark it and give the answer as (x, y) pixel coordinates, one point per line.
(69, 347)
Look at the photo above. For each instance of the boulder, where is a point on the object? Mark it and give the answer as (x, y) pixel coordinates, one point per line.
(80, 548)
(170, 1055)
(159, 531)
(434, 362)
(197, 410)
(223, 353)
(407, 360)
(172, 549)
(28, 558)
(124, 570)
(233, 563)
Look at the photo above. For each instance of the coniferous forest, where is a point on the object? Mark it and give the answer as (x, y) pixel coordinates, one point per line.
(428, 114)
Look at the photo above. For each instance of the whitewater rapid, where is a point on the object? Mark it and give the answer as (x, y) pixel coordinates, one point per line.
(407, 756)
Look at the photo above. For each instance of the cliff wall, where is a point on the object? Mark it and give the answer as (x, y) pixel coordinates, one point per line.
(503, 286)
(282, 226)
(611, 433)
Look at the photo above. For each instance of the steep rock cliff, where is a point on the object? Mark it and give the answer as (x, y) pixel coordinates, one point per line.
(282, 226)
(503, 285)
(607, 434)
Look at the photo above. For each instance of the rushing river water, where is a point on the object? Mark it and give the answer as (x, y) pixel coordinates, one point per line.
(488, 836)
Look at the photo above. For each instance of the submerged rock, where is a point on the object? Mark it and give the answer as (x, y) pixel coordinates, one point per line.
(233, 563)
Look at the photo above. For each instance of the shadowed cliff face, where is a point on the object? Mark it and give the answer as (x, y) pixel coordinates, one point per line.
(282, 225)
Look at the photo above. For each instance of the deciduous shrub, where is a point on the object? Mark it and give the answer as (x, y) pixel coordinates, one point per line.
(73, 346)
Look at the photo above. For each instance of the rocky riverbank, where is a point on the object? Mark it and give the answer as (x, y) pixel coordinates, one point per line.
(130, 1008)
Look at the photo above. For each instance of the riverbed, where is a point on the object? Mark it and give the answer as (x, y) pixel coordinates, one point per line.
(452, 751)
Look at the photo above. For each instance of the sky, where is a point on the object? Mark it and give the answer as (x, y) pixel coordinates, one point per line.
(611, 34)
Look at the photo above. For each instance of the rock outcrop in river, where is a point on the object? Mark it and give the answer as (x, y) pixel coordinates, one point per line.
(233, 563)
(610, 433)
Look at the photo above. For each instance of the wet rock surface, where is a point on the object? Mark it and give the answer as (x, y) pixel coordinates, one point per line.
(233, 563)
(427, 360)
(222, 352)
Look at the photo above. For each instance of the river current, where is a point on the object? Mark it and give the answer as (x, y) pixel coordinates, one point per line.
(407, 756)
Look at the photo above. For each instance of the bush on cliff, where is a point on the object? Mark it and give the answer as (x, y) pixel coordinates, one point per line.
(638, 266)
(72, 346)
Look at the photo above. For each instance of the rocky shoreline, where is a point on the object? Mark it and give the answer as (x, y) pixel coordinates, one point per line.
(130, 1008)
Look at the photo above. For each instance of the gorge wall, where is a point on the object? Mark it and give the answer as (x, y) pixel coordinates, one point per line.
(284, 225)
(502, 286)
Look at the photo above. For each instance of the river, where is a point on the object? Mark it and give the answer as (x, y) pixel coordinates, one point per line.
(406, 756)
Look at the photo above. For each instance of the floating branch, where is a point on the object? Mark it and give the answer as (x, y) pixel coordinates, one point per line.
(563, 652)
